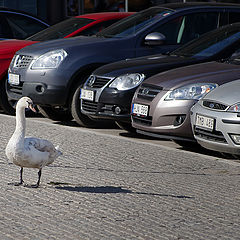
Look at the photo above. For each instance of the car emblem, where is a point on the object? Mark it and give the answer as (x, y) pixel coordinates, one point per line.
(91, 81)
(145, 91)
(211, 105)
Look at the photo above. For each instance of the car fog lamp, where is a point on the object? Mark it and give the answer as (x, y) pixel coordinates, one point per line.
(117, 110)
(235, 138)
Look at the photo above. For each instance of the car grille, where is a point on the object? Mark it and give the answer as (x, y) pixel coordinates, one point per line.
(215, 136)
(214, 105)
(148, 91)
(17, 89)
(144, 121)
(22, 61)
(89, 106)
(97, 82)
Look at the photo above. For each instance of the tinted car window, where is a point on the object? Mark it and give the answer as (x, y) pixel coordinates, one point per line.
(23, 26)
(60, 30)
(134, 23)
(186, 28)
(210, 43)
(97, 28)
(5, 31)
(234, 17)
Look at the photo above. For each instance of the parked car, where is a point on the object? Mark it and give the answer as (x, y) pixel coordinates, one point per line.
(18, 24)
(53, 72)
(108, 93)
(216, 117)
(161, 105)
(84, 25)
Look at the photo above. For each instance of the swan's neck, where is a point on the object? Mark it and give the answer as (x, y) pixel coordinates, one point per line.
(20, 122)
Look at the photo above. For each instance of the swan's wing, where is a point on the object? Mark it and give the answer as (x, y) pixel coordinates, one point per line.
(41, 145)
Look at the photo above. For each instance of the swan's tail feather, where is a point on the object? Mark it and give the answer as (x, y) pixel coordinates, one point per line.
(58, 151)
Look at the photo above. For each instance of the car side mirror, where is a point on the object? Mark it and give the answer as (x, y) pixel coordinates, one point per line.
(154, 39)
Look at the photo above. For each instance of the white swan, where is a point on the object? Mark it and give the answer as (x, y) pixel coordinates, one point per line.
(29, 152)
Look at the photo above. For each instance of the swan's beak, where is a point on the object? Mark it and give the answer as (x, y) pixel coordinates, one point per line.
(31, 106)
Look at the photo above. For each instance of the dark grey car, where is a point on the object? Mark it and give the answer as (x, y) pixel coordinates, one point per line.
(52, 73)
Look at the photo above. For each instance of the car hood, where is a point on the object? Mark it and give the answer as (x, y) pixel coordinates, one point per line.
(68, 44)
(211, 72)
(227, 94)
(11, 46)
(147, 65)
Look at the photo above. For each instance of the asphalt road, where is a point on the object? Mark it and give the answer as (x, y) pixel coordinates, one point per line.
(109, 185)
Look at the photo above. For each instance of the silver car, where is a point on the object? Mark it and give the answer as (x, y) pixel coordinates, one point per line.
(215, 119)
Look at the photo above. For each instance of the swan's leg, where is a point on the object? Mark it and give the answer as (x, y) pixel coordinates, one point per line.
(39, 177)
(38, 182)
(21, 179)
(21, 176)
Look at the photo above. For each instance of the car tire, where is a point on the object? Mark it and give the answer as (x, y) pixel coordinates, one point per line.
(55, 114)
(6, 104)
(126, 126)
(81, 119)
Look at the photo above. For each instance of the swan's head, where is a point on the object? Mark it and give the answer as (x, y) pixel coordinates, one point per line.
(26, 102)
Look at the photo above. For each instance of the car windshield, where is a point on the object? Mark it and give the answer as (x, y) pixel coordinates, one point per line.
(61, 30)
(210, 44)
(134, 23)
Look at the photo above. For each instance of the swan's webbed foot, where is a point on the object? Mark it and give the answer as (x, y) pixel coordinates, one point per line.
(21, 179)
(38, 182)
(31, 186)
(16, 183)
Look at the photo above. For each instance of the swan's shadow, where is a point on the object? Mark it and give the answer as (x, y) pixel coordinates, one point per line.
(111, 189)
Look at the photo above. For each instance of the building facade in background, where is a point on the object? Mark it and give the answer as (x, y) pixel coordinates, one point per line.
(54, 11)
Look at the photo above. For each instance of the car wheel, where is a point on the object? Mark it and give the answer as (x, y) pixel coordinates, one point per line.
(82, 119)
(6, 104)
(55, 114)
(126, 126)
(188, 144)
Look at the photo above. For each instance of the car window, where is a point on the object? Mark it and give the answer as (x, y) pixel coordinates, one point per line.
(135, 23)
(186, 28)
(211, 43)
(97, 28)
(5, 31)
(234, 17)
(61, 30)
(23, 26)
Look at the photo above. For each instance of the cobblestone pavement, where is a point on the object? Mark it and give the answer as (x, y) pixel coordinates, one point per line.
(110, 187)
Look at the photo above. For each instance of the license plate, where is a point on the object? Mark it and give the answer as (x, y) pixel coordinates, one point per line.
(139, 109)
(87, 95)
(205, 122)
(13, 79)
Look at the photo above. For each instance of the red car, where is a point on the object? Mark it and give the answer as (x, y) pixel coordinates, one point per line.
(86, 25)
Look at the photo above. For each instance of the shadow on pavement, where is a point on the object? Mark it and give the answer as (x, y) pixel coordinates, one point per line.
(111, 189)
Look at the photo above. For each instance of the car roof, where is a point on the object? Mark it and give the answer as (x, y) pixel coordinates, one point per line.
(100, 15)
(5, 9)
(176, 6)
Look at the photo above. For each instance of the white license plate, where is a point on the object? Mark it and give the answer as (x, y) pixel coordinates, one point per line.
(204, 122)
(13, 79)
(140, 109)
(87, 95)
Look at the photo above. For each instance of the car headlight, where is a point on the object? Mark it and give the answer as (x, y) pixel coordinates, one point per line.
(127, 81)
(49, 60)
(192, 91)
(234, 108)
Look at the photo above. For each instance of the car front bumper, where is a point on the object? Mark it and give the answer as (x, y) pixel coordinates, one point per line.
(226, 124)
(166, 118)
(108, 103)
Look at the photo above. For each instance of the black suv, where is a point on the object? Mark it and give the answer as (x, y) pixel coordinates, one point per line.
(52, 72)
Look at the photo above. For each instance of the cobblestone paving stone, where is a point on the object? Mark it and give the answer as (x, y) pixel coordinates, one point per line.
(107, 187)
